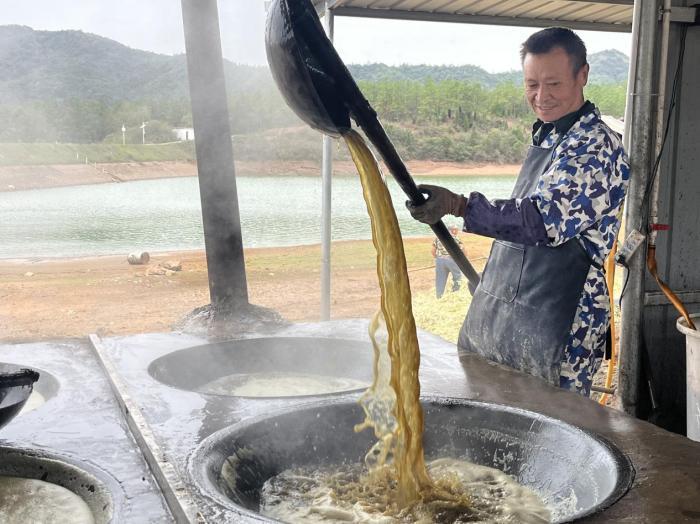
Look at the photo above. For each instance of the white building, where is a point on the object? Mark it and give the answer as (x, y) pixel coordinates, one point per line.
(184, 133)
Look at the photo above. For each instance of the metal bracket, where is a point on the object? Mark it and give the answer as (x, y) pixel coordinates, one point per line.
(602, 389)
(657, 298)
(684, 15)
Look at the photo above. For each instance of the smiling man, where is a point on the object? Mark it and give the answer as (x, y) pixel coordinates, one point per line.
(542, 305)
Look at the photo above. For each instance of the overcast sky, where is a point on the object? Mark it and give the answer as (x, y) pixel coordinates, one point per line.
(156, 25)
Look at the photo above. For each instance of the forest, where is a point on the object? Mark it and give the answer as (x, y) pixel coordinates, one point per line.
(429, 120)
(69, 87)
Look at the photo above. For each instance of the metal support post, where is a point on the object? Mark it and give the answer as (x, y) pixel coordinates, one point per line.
(640, 152)
(326, 181)
(217, 179)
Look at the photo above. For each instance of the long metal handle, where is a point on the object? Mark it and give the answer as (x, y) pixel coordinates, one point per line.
(366, 118)
(376, 134)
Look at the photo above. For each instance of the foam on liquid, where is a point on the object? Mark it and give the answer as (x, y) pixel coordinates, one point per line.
(279, 384)
(344, 493)
(24, 500)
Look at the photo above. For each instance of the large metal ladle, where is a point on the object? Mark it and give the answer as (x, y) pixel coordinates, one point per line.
(320, 90)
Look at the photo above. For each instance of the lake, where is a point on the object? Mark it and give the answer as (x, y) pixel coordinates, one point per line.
(165, 214)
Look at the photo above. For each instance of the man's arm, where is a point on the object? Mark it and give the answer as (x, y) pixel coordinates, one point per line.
(581, 187)
(462, 248)
(514, 220)
(585, 181)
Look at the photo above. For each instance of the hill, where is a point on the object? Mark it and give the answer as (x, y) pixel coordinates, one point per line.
(51, 65)
(60, 65)
(79, 88)
(607, 67)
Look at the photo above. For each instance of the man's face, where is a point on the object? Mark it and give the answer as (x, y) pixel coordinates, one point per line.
(551, 86)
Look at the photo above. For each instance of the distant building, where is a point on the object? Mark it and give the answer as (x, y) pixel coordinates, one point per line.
(615, 124)
(184, 133)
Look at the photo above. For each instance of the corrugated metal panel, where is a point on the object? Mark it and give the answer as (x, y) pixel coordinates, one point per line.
(608, 15)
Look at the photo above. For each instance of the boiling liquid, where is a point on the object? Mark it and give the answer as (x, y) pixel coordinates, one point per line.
(279, 384)
(344, 493)
(25, 500)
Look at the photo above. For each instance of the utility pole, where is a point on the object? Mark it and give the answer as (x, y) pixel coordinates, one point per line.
(123, 134)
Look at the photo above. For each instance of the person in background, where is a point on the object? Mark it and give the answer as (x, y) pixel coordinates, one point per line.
(542, 304)
(444, 265)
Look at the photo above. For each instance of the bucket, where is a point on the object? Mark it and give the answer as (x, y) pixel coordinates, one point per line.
(138, 258)
(692, 358)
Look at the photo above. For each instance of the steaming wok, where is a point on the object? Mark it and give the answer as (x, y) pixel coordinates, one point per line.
(576, 472)
(16, 385)
(318, 87)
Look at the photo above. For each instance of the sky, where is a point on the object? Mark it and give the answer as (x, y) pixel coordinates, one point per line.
(156, 25)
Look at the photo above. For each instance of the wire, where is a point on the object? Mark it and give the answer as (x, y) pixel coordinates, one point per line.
(624, 286)
(646, 201)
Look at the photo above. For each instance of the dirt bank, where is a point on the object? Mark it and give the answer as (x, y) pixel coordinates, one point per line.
(57, 298)
(15, 178)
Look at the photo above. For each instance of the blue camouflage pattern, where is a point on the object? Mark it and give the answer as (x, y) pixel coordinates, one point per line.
(580, 197)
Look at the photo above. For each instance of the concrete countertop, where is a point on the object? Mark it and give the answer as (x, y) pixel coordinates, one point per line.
(666, 487)
(667, 483)
(82, 423)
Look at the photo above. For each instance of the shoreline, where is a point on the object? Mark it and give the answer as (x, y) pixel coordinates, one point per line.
(175, 253)
(27, 177)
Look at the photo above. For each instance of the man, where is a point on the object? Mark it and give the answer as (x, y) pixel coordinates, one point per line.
(542, 305)
(444, 265)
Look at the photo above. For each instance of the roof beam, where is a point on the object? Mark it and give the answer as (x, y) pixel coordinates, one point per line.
(391, 14)
(615, 2)
(321, 5)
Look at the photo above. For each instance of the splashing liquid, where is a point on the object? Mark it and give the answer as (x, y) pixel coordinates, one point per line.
(403, 440)
(397, 487)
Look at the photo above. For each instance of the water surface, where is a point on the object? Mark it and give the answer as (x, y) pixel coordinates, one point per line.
(165, 214)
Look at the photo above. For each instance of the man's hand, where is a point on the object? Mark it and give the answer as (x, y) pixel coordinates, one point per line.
(440, 202)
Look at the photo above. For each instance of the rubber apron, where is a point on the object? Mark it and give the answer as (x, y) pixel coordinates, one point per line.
(522, 311)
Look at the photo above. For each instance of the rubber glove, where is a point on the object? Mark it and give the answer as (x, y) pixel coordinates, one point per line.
(440, 202)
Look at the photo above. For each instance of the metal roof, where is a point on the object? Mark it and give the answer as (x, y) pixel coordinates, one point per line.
(601, 15)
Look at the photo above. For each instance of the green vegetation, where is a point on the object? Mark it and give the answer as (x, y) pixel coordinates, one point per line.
(607, 67)
(68, 93)
(441, 316)
(45, 154)
(453, 120)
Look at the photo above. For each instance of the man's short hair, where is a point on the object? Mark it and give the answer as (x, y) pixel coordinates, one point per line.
(547, 39)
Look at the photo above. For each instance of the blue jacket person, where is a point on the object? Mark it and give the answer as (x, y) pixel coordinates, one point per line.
(542, 305)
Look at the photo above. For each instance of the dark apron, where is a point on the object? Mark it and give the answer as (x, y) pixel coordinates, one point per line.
(522, 311)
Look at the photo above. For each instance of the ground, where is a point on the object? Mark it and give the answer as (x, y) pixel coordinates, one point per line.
(48, 299)
(52, 299)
